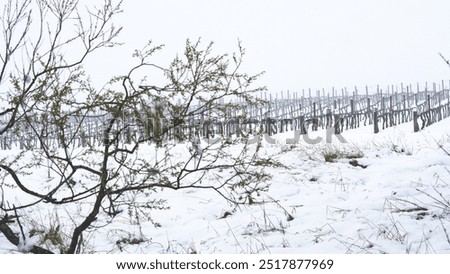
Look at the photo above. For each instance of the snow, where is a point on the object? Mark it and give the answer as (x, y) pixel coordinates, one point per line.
(26, 244)
(396, 200)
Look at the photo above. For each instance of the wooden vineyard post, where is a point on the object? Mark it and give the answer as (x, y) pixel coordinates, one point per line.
(368, 111)
(302, 123)
(329, 119)
(337, 123)
(407, 96)
(267, 125)
(415, 118)
(294, 115)
(375, 121)
(314, 119)
(333, 92)
(390, 115)
(237, 124)
(448, 96)
(352, 114)
(227, 128)
(321, 115)
(82, 141)
(404, 109)
(378, 93)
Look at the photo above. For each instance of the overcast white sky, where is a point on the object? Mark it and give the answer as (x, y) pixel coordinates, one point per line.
(301, 44)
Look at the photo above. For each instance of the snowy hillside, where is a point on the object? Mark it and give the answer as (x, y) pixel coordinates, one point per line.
(383, 193)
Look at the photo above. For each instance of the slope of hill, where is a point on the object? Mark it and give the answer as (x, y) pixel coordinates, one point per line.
(377, 193)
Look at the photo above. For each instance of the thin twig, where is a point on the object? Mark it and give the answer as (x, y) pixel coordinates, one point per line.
(20, 224)
(234, 236)
(443, 58)
(434, 198)
(445, 231)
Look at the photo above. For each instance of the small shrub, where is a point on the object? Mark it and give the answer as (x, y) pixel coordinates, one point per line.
(51, 237)
(332, 154)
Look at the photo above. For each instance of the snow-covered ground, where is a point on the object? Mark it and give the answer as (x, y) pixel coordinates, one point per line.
(381, 193)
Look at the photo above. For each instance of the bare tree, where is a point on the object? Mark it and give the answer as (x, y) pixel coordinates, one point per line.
(38, 35)
(106, 152)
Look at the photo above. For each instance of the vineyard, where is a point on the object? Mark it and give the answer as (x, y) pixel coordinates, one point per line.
(291, 111)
